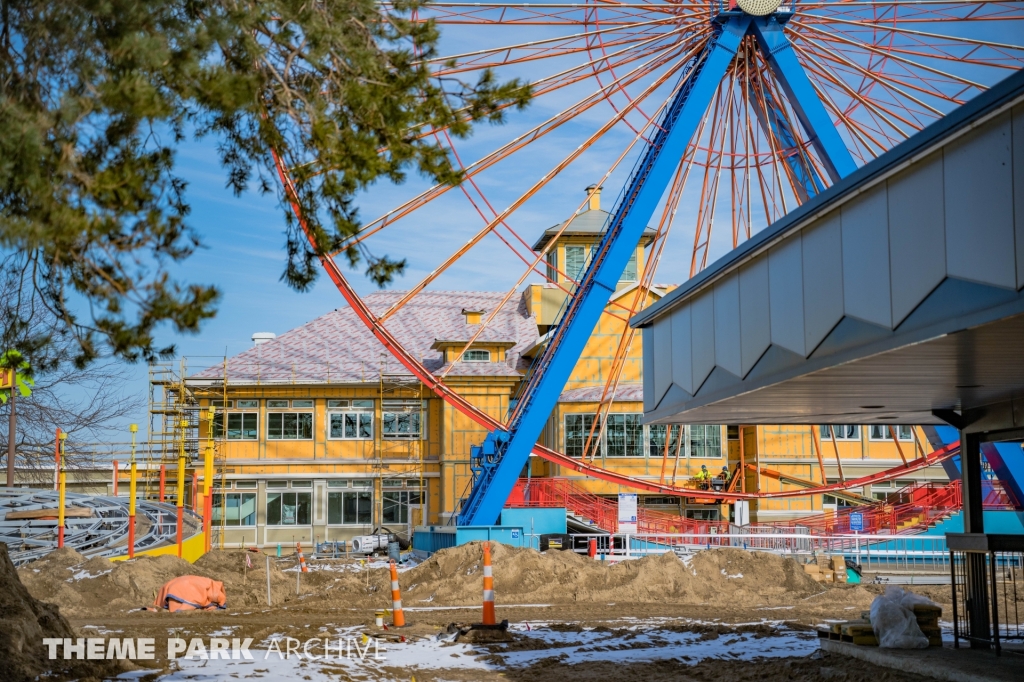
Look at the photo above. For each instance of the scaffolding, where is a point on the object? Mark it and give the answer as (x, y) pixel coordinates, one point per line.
(401, 393)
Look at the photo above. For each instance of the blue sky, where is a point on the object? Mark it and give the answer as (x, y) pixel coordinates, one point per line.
(243, 236)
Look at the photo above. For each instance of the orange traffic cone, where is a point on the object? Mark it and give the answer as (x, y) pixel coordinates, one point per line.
(302, 559)
(488, 587)
(396, 599)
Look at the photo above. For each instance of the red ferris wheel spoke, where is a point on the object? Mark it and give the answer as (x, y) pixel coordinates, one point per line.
(537, 186)
(663, 57)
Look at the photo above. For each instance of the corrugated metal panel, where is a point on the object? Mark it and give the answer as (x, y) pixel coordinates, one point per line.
(866, 258)
(978, 172)
(823, 279)
(1018, 189)
(727, 324)
(702, 338)
(917, 235)
(682, 358)
(663, 350)
(786, 294)
(755, 318)
(647, 336)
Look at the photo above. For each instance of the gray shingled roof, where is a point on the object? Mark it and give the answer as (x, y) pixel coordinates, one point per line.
(338, 348)
(592, 394)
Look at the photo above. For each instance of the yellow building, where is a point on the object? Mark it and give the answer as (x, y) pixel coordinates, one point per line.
(321, 435)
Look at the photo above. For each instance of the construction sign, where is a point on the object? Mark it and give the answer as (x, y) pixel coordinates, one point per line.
(6, 378)
(627, 513)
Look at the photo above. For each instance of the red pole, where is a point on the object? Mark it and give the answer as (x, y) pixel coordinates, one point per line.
(163, 481)
(115, 478)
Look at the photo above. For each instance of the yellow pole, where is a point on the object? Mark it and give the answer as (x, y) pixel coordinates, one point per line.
(181, 484)
(62, 495)
(134, 428)
(208, 484)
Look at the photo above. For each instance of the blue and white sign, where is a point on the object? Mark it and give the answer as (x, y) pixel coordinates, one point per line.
(627, 513)
(856, 522)
(515, 533)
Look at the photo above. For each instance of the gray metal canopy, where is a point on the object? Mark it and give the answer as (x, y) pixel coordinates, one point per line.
(894, 293)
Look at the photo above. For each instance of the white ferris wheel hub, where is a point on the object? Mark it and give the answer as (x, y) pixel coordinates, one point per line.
(759, 8)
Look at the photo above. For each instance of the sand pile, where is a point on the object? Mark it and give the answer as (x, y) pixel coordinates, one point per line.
(521, 576)
(78, 584)
(24, 622)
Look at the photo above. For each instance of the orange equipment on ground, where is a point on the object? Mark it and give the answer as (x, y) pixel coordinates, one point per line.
(191, 592)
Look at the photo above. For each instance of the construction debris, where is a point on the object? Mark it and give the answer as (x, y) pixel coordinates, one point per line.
(828, 568)
(897, 620)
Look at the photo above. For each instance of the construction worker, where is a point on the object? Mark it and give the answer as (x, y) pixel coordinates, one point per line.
(721, 480)
(703, 477)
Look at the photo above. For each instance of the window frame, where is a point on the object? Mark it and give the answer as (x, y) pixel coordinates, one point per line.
(823, 432)
(298, 416)
(585, 429)
(467, 356)
(588, 255)
(357, 494)
(344, 414)
(225, 522)
(632, 429)
(909, 438)
(706, 430)
(280, 494)
(220, 432)
(417, 408)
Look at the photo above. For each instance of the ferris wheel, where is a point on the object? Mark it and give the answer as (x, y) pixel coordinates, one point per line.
(723, 115)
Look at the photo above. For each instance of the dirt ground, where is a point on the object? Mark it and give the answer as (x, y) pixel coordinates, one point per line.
(713, 594)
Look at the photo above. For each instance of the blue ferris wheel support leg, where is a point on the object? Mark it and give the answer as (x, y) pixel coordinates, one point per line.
(833, 152)
(497, 463)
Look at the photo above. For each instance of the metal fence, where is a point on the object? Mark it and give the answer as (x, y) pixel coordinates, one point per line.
(872, 553)
(988, 591)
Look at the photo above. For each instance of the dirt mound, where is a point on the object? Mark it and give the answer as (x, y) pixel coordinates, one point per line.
(25, 621)
(247, 586)
(80, 585)
(454, 576)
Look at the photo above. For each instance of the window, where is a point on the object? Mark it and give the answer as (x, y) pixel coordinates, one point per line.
(624, 435)
(302, 403)
(629, 274)
(831, 499)
(222, 403)
(349, 507)
(881, 432)
(396, 505)
(248, 403)
(656, 440)
(289, 425)
(277, 403)
(476, 356)
(576, 260)
(702, 514)
(288, 509)
(248, 485)
(706, 440)
(843, 432)
(362, 484)
(350, 425)
(552, 262)
(302, 484)
(277, 484)
(401, 419)
(577, 430)
(234, 509)
(241, 425)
